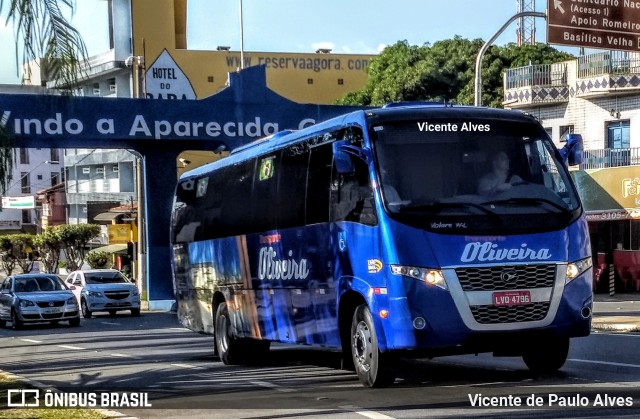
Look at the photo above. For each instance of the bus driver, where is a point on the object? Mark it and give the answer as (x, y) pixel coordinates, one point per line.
(498, 180)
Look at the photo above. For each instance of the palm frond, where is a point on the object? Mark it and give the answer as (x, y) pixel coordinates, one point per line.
(45, 33)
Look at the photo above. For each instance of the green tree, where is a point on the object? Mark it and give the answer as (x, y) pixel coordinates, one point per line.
(49, 245)
(74, 239)
(444, 71)
(17, 249)
(43, 32)
(98, 259)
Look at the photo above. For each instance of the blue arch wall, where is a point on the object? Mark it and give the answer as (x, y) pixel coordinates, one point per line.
(159, 130)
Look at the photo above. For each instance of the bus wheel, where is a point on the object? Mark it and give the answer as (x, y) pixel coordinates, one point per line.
(226, 344)
(547, 357)
(374, 368)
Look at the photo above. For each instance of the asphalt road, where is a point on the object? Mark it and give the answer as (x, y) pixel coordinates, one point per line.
(175, 368)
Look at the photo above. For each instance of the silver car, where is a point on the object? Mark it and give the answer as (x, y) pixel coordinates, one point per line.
(104, 290)
(31, 298)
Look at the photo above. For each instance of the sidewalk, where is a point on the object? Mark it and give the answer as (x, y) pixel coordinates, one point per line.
(618, 313)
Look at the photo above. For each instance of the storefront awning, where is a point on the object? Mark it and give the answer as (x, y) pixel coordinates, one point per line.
(107, 216)
(111, 248)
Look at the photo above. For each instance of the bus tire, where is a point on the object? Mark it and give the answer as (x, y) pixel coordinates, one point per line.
(227, 345)
(547, 357)
(374, 368)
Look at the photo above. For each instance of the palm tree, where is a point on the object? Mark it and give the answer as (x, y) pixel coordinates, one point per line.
(44, 33)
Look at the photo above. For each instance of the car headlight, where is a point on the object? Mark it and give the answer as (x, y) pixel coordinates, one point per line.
(576, 268)
(94, 294)
(429, 276)
(72, 301)
(26, 303)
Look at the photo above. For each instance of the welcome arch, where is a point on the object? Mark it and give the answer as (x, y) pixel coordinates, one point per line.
(159, 130)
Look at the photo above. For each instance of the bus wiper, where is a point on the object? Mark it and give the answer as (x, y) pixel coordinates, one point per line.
(527, 201)
(439, 206)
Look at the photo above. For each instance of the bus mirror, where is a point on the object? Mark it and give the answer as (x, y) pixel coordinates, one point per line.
(342, 159)
(572, 152)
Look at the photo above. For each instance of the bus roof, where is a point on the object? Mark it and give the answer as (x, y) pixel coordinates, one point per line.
(360, 118)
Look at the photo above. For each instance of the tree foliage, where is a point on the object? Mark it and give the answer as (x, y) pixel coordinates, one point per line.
(48, 247)
(444, 71)
(44, 32)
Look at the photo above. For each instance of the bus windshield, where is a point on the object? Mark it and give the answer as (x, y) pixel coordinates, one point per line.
(473, 176)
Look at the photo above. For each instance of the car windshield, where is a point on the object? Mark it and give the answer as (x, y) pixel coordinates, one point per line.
(105, 278)
(38, 284)
(480, 175)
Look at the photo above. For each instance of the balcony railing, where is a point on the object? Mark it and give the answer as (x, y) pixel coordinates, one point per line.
(610, 157)
(536, 75)
(610, 62)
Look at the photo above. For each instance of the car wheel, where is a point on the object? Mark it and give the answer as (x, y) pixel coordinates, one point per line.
(374, 368)
(135, 311)
(86, 313)
(74, 322)
(17, 324)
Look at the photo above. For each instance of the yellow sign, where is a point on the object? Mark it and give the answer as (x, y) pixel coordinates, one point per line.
(119, 233)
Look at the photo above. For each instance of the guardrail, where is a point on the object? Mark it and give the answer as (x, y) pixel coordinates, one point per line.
(536, 75)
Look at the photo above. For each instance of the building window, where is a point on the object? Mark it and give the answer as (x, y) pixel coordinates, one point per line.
(55, 178)
(309, 81)
(618, 134)
(86, 170)
(564, 131)
(210, 79)
(100, 170)
(115, 169)
(55, 155)
(26, 217)
(24, 156)
(25, 182)
(340, 82)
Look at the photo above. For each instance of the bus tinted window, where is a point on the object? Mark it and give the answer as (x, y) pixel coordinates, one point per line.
(292, 186)
(263, 202)
(318, 186)
(236, 205)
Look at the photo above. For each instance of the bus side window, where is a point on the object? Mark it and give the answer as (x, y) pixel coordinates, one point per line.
(292, 186)
(318, 186)
(352, 195)
(236, 205)
(263, 199)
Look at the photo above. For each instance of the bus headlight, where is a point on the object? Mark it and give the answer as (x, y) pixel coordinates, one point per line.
(429, 276)
(576, 268)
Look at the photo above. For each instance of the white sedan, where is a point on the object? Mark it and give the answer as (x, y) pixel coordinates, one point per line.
(104, 290)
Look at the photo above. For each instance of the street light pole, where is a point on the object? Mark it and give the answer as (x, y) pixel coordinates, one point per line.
(485, 47)
(241, 38)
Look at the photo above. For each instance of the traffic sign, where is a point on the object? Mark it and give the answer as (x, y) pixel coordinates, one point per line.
(605, 24)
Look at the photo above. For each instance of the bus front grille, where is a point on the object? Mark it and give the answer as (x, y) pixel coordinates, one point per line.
(495, 278)
(489, 314)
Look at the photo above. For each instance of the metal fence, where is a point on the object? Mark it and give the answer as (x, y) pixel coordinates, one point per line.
(610, 157)
(610, 62)
(536, 75)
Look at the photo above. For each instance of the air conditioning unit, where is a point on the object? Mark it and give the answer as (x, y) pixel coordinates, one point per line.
(112, 88)
(96, 92)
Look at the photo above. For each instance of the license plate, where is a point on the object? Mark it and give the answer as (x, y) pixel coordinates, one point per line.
(50, 310)
(511, 298)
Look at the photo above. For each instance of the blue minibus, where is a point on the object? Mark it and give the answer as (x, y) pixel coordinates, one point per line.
(412, 230)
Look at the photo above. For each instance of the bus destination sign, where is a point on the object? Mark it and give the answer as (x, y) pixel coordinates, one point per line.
(605, 24)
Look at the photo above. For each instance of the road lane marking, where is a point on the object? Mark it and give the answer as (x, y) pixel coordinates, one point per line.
(272, 386)
(187, 366)
(615, 364)
(122, 355)
(31, 340)
(111, 323)
(366, 413)
(69, 347)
